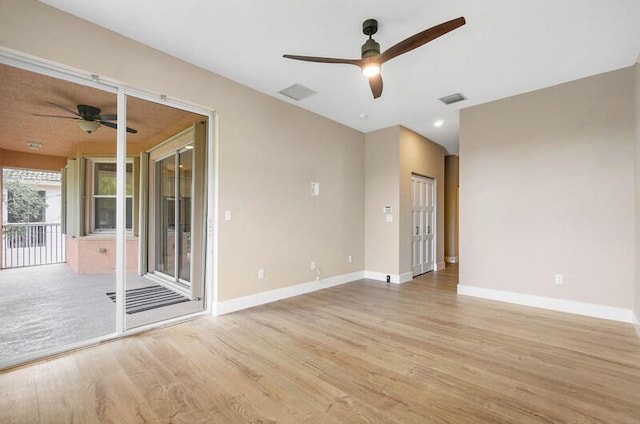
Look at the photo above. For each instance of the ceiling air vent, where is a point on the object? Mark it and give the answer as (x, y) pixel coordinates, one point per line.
(297, 92)
(452, 98)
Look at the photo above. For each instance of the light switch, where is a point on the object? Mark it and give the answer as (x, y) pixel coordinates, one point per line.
(315, 189)
(389, 218)
(227, 215)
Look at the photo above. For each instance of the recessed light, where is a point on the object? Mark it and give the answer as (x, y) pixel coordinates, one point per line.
(438, 123)
(363, 115)
(34, 146)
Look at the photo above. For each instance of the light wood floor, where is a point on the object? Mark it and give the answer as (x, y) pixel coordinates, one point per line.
(362, 352)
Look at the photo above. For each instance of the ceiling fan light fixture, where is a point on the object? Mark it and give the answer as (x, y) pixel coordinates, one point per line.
(371, 69)
(88, 126)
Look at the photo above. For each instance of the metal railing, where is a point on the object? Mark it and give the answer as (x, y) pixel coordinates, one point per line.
(32, 244)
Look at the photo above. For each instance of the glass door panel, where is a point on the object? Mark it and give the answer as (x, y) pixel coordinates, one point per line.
(166, 208)
(185, 188)
(172, 228)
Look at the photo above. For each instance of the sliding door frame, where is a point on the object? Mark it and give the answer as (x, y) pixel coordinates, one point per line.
(66, 73)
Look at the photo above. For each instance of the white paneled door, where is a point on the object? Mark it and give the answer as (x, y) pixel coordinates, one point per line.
(423, 214)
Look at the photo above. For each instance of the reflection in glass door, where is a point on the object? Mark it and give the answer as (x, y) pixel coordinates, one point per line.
(185, 178)
(173, 202)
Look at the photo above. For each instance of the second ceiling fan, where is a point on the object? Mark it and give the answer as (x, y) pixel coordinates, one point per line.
(88, 118)
(371, 59)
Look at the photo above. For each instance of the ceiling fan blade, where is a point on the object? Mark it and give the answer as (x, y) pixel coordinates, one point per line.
(375, 82)
(64, 108)
(356, 62)
(54, 116)
(108, 117)
(421, 38)
(112, 125)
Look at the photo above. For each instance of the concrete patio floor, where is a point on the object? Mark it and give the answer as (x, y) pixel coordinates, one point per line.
(50, 306)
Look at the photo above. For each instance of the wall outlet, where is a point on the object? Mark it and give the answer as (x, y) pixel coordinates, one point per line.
(558, 279)
(313, 265)
(350, 259)
(261, 274)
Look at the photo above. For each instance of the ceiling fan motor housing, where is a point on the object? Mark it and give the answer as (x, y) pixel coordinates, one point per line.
(88, 113)
(370, 47)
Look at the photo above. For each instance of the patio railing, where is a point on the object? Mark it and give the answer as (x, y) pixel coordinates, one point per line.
(32, 244)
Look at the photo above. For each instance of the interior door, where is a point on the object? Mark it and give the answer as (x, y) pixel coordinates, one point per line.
(423, 216)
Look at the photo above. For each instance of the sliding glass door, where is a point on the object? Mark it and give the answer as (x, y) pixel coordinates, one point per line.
(174, 186)
(126, 205)
(172, 215)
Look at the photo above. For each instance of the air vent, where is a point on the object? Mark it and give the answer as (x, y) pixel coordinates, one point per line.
(452, 98)
(297, 92)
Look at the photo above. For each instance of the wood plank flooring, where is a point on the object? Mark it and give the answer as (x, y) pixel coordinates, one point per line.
(364, 352)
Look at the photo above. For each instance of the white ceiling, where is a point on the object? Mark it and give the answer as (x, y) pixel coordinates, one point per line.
(507, 47)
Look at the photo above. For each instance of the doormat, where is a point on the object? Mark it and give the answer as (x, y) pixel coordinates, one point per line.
(147, 298)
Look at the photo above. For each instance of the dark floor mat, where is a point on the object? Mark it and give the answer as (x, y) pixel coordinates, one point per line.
(147, 298)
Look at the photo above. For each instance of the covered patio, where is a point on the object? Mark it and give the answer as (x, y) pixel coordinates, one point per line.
(49, 306)
(58, 265)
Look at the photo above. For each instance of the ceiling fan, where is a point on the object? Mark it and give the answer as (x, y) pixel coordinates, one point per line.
(371, 59)
(88, 118)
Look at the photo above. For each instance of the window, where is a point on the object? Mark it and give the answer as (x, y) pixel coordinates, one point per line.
(104, 197)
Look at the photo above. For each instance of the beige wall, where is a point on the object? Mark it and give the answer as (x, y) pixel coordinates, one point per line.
(391, 156)
(382, 187)
(11, 159)
(451, 182)
(269, 154)
(421, 156)
(547, 186)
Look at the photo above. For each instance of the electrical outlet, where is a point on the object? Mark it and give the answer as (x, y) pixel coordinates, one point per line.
(350, 259)
(313, 265)
(261, 274)
(558, 279)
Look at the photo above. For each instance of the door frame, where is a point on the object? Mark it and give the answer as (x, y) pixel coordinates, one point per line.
(57, 70)
(171, 147)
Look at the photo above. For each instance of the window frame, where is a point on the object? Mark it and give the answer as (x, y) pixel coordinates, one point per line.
(92, 196)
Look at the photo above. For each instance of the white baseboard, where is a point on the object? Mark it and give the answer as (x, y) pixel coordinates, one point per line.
(395, 278)
(239, 303)
(570, 306)
(451, 259)
(405, 278)
(636, 323)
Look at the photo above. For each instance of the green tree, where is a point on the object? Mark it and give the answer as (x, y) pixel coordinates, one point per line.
(24, 202)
